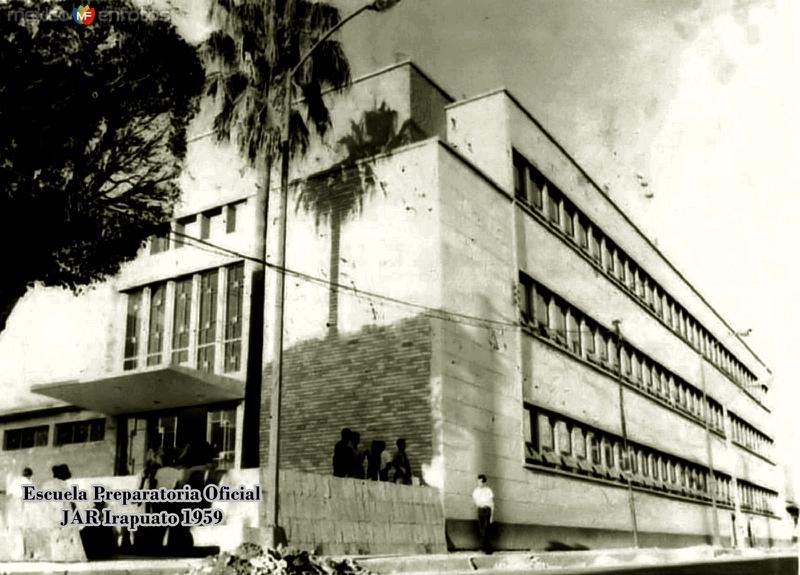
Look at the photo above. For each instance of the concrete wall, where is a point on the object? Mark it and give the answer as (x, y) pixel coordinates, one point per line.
(320, 513)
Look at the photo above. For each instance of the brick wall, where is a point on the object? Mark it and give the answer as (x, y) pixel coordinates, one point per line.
(375, 381)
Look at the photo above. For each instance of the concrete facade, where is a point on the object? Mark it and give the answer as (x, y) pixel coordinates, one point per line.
(411, 311)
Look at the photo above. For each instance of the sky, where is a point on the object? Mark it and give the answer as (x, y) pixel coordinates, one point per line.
(698, 98)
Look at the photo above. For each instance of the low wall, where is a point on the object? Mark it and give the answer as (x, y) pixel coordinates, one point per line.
(331, 515)
(320, 513)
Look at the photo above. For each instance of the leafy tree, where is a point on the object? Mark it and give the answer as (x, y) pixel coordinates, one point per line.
(94, 122)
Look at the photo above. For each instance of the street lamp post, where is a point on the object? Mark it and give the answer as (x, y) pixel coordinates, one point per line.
(624, 428)
(275, 534)
(710, 454)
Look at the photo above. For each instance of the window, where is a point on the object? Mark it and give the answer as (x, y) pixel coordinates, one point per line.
(80, 431)
(559, 324)
(544, 433)
(207, 328)
(519, 175)
(167, 432)
(230, 217)
(525, 294)
(183, 227)
(593, 446)
(608, 256)
(234, 299)
(588, 338)
(568, 225)
(578, 442)
(221, 435)
(620, 264)
(540, 298)
(581, 235)
(159, 244)
(603, 347)
(535, 185)
(562, 438)
(552, 205)
(132, 325)
(608, 454)
(636, 368)
(210, 223)
(155, 332)
(181, 317)
(626, 361)
(647, 376)
(205, 227)
(26, 437)
(573, 333)
(594, 244)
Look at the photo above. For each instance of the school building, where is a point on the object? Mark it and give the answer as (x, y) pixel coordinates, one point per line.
(454, 278)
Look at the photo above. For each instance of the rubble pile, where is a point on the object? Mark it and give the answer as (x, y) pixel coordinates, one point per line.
(252, 559)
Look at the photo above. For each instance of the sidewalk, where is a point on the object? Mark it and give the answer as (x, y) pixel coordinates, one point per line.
(456, 563)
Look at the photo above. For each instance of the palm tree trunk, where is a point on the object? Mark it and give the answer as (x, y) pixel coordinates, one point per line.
(333, 291)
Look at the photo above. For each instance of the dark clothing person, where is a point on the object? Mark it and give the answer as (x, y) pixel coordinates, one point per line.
(99, 541)
(401, 464)
(343, 455)
(484, 524)
(357, 456)
(375, 460)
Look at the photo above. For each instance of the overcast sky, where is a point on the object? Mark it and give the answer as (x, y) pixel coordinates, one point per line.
(700, 98)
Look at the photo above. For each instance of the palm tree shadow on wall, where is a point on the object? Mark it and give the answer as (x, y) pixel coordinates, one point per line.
(338, 192)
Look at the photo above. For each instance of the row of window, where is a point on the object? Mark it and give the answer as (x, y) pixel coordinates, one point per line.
(755, 498)
(65, 434)
(561, 442)
(551, 316)
(536, 191)
(195, 309)
(212, 223)
(745, 434)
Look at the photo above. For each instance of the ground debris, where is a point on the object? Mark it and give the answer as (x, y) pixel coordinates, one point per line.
(252, 559)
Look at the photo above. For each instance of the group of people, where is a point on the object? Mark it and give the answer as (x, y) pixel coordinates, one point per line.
(194, 466)
(350, 459)
(99, 542)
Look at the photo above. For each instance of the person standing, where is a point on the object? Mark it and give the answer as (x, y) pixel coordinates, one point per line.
(343, 454)
(401, 463)
(483, 497)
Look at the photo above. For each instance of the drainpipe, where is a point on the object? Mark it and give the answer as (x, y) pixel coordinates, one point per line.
(710, 454)
(623, 426)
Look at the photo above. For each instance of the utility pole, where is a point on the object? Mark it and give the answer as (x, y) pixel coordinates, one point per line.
(710, 454)
(624, 427)
(275, 533)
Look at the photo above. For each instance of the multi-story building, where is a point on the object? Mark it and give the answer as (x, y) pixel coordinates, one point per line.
(455, 278)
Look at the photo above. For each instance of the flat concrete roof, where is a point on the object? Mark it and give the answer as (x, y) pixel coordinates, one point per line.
(148, 390)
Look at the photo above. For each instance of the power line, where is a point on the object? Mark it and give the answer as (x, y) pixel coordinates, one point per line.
(437, 313)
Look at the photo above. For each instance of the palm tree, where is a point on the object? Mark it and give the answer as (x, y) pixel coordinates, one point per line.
(257, 43)
(339, 191)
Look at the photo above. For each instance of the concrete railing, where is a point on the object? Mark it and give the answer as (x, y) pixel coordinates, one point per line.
(325, 514)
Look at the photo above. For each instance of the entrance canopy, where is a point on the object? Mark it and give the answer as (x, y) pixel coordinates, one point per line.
(149, 390)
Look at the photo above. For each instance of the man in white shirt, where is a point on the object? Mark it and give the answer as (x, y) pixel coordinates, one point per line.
(483, 496)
